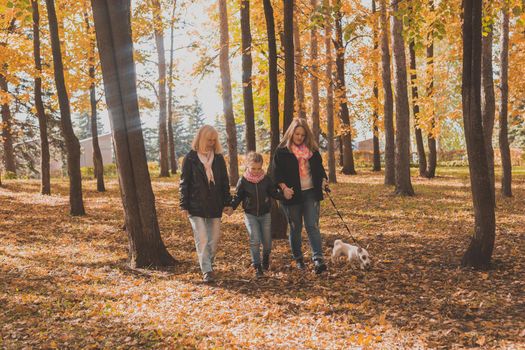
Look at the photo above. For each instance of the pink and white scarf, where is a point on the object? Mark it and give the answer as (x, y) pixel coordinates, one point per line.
(207, 161)
(303, 154)
(253, 178)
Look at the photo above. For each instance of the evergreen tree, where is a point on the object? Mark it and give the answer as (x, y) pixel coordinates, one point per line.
(151, 143)
(195, 117)
(220, 126)
(517, 132)
(82, 126)
(221, 130)
(183, 138)
(241, 133)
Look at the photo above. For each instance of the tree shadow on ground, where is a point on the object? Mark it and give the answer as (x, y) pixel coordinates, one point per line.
(416, 244)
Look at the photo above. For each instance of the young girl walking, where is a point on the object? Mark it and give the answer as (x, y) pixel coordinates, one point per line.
(254, 190)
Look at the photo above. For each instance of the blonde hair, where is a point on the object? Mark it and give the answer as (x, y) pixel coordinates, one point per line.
(253, 157)
(308, 137)
(199, 141)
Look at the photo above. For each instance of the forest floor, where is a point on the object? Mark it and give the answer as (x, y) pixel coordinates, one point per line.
(65, 282)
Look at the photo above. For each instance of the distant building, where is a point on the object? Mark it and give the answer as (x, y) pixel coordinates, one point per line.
(366, 145)
(106, 148)
(57, 161)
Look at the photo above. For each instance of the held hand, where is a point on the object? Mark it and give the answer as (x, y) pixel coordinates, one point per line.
(325, 185)
(228, 211)
(184, 212)
(288, 193)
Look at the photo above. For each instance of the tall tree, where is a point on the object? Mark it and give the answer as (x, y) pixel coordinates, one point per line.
(415, 111)
(195, 117)
(7, 131)
(72, 144)
(163, 132)
(247, 93)
(299, 77)
(506, 179)
(45, 176)
(344, 115)
(113, 30)
(227, 100)
(403, 183)
(171, 137)
(488, 107)
(289, 70)
(7, 119)
(332, 177)
(431, 138)
(314, 81)
(375, 90)
(98, 164)
(479, 252)
(272, 75)
(388, 104)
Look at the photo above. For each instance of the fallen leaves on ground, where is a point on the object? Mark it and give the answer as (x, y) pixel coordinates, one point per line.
(64, 281)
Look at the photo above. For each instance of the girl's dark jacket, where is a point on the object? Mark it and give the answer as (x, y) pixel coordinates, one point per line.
(255, 197)
(197, 195)
(286, 170)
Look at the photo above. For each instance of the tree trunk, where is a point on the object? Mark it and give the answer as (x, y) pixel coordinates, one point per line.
(72, 144)
(388, 112)
(432, 149)
(332, 177)
(272, 75)
(479, 252)
(488, 106)
(375, 120)
(45, 177)
(344, 115)
(279, 224)
(506, 180)
(249, 114)
(171, 138)
(163, 133)
(227, 101)
(403, 183)
(98, 164)
(7, 119)
(7, 131)
(314, 82)
(299, 76)
(340, 147)
(289, 72)
(415, 109)
(113, 30)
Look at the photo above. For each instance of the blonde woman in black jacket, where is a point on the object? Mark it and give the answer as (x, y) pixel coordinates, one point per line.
(299, 172)
(205, 194)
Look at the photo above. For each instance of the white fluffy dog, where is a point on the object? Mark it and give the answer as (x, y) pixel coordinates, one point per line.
(352, 253)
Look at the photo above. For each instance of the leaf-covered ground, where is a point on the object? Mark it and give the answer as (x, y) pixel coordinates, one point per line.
(64, 281)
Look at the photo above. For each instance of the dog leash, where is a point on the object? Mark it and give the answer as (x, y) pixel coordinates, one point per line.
(327, 190)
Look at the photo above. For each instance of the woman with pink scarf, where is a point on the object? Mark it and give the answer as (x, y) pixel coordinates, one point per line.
(254, 190)
(299, 172)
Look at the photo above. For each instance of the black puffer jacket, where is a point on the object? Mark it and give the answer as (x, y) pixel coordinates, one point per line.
(286, 170)
(197, 195)
(255, 197)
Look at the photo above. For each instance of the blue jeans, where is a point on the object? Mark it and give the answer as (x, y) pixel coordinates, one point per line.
(206, 232)
(309, 210)
(259, 230)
